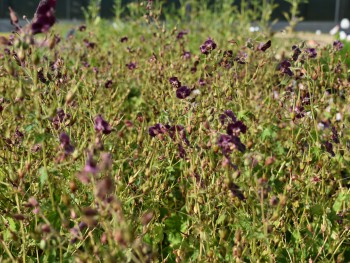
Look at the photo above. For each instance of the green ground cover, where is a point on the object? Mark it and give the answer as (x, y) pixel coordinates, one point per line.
(180, 141)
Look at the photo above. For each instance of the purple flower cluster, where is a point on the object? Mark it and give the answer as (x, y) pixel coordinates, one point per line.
(181, 34)
(338, 45)
(44, 17)
(296, 53)
(284, 67)
(102, 126)
(89, 44)
(65, 143)
(174, 81)
(182, 92)
(60, 118)
(124, 39)
(264, 46)
(131, 65)
(186, 55)
(311, 52)
(230, 141)
(208, 46)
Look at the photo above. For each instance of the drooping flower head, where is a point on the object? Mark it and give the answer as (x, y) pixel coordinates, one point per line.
(208, 46)
(181, 34)
(131, 65)
(338, 45)
(183, 92)
(91, 165)
(227, 115)
(329, 148)
(296, 52)
(228, 143)
(102, 126)
(156, 129)
(335, 136)
(285, 68)
(44, 17)
(311, 52)
(65, 143)
(174, 81)
(264, 46)
(186, 55)
(236, 128)
(124, 39)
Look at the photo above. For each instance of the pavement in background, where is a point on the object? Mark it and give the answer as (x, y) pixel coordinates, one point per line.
(325, 27)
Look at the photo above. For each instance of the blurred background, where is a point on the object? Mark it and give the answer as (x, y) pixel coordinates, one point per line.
(317, 14)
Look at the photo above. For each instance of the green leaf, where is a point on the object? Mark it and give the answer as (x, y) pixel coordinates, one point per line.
(269, 132)
(317, 210)
(339, 201)
(158, 234)
(41, 137)
(43, 176)
(12, 224)
(221, 219)
(29, 127)
(175, 239)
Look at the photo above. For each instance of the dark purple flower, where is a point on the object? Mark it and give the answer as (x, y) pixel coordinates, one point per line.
(82, 28)
(75, 234)
(174, 81)
(156, 129)
(124, 39)
(13, 17)
(60, 118)
(181, 34)
(241, 57)
(182, 151)
(41, 76)
(311, 52)
(101, 125)
(296, 53)
(285, 68)
(264, 46)
(186, 55)
(207, 46)
(183, 92)
(108, 84)
(299, 111)
(18, 136)
(305, 98)
(335, 136)
(91, 165)
(338, 45)
(236, 128)
(89, 44)
(44, 17)
(236, 192)
(65, 143)
(329, 148)
(7, 51)
(228, 143)
(131, 65)
(85, 64)
(82, 226)
(225, 115)
(201, 82)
